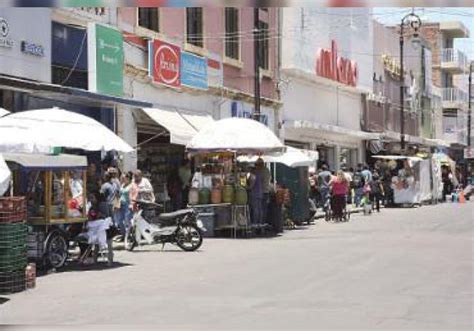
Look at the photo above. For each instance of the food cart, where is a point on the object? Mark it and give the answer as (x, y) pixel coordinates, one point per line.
(55, 191)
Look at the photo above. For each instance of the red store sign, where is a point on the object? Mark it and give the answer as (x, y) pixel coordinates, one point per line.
(166, 63)
(334, 67)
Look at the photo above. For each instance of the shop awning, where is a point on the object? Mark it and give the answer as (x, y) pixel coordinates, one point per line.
(47, 161)
(181, 126)
(362, 135)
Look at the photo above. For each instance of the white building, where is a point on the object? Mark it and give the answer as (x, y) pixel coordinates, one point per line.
(324, 113)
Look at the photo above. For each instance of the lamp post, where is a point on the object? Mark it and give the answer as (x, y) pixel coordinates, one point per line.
(411, 21)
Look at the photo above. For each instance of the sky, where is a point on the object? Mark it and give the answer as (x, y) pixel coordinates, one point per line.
(435, 14)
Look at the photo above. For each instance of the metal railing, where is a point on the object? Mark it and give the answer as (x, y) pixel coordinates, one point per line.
(454, 94)
(453, 55)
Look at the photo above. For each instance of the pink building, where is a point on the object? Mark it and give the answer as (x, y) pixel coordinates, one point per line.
(203, 31)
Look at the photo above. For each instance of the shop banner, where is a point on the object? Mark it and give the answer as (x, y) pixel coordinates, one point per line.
(215, 71)
(106, 59)
(164, 64)
(194, 71)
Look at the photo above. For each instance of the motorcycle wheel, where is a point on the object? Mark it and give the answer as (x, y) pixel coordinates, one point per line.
(189, 238)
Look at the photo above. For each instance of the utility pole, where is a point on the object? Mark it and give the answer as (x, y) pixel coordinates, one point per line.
(256, 43)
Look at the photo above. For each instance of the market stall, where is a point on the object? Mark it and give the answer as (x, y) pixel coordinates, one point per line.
(413, 183)
(55, 190)
(5, 175)
(221, 193)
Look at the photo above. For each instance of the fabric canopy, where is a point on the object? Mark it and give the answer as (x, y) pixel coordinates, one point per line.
(293, 157)
(181, 126)
(47, 161)
(5, 175)
(398, 157)
(3, 112)
(241, 135)
(38, 131)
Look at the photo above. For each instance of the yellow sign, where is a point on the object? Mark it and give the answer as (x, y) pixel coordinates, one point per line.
(392, 66)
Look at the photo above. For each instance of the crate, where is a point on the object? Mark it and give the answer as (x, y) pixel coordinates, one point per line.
(12, 281)
(13, 210)
(13, 264)
(35, 245)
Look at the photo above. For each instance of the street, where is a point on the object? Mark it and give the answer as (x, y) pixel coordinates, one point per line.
(400, 269)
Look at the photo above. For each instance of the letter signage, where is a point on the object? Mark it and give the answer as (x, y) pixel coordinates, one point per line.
(334, 67)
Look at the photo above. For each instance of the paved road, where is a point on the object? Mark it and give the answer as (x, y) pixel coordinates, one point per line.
(401, 269)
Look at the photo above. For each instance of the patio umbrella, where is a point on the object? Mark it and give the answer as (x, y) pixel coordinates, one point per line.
(43, 129)
(238, 135)
(4, 176)
(293, 157)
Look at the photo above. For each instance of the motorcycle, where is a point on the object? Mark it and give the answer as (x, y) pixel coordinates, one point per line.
(181, 228)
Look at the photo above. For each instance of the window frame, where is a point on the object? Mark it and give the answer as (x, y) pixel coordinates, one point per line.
(239, 41)
(261, 45)
(147, 28)
(189, 44)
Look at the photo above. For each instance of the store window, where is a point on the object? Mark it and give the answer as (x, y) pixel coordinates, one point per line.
(263, 46)
(194, 26)
(232, 38)
(149, 18)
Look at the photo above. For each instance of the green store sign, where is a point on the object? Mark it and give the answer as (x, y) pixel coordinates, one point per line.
(106, 60)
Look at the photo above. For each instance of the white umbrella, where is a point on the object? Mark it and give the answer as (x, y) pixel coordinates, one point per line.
(240, 135)
(3, 112)
(5, 175)
(293, 157)
(43, 129)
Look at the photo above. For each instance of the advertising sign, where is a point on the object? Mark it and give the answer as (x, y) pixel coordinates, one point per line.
(332, 66)
(165, 63)
(106, 60)
(193, 71)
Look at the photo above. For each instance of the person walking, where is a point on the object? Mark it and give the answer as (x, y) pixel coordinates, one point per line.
(254, 186)
(324, 178)
(358, 185)
(339, 189)
(125, 213)
(110, 192)
(377, 191)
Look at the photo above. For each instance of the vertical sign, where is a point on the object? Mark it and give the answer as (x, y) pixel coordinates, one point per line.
(193, 71)
(165, 63)
(215, 72)
(106, 60)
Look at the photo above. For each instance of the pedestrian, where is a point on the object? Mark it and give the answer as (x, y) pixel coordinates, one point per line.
(377, 191)
(348, 176)
(358, 185)
(339, 190)
(265, 177)
(255, 189)
(324, 178)
(185, 176)
(141, 189)
(110, 192)
(125, 213)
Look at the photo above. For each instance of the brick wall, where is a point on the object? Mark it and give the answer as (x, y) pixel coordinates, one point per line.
(433, 36)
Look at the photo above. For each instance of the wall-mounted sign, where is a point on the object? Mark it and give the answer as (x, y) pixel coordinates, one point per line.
(31, 48)
(164, 63)
(392, 66)
(4, 32)
(193, 71)
(240, 109)
(334, 67)
(215, 70)
(106, 59)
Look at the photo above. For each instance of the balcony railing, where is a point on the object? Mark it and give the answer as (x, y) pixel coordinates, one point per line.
(454, 59)
(454, 97)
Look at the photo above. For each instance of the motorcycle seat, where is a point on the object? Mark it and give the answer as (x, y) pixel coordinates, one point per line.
(175, 214)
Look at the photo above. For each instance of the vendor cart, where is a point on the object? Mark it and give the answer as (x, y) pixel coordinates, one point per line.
(55, 191)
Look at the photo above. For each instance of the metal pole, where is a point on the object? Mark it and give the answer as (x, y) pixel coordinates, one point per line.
(402, 93)
(469, 111)
(256, 40)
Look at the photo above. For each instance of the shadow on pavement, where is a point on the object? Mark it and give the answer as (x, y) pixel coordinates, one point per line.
(77, 267)
(3, 300)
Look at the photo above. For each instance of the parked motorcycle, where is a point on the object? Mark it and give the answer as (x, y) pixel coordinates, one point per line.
(181, 228)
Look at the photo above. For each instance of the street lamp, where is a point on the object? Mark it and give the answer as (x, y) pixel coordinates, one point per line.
(411, 21)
